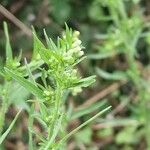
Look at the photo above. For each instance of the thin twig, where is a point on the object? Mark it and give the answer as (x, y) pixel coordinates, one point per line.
(15, 20)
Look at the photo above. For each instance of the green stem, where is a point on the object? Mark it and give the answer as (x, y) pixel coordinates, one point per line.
(56, 111)
(4, 107)
(3, 111)
(30, 126)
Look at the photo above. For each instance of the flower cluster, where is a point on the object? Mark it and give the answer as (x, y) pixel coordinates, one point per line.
(74, 51)
(63, 59)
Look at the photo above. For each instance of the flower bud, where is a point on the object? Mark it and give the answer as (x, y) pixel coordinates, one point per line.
(81, 53)
(76, 43)
(76, 33)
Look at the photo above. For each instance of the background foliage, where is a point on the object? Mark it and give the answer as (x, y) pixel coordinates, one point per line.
(117, 40)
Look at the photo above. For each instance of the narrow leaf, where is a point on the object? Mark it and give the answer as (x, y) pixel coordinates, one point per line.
(8, 46)
(86, 81)
(118, 75)
(56, 130)
(87, 110)
(30, 126)
(25, 83)
(100, 55)
(37, 45)
(2, 138)
(82, 125)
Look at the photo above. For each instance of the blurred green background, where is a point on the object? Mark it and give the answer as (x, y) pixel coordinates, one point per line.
(116, 37)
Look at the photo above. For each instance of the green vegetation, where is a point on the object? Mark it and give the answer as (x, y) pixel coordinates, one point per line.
(55, 65)
(59, 108)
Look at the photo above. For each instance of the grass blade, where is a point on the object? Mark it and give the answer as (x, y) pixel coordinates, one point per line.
(82, 125)
(8, 47)
(2, 138)
(117, 75)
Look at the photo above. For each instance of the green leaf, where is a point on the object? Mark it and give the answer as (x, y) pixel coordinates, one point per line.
(82, 125)
(8, 46)
(19, 99)
(79, 60)
(55, 132)
(88, 109)
(68, 34)
(46, 54)
(43, 77)
(30, 126)
(43, 110)
(85, 82)
(37, 45)
(33, 65)
(25, 83)
(47, 40)
(117, 75)
(111, 123)
(100, 55)
(2, 138)
(29, 71)
(51, 45)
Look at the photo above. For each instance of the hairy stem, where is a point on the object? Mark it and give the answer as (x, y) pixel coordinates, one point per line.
(4, 107)
(56, 112)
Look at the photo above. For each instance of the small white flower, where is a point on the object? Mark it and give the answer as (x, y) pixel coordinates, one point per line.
(81, 53)
(76, 43)
(76, 90)
(77, 49)
(74, 71)
(70, 52)
(76, 33)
